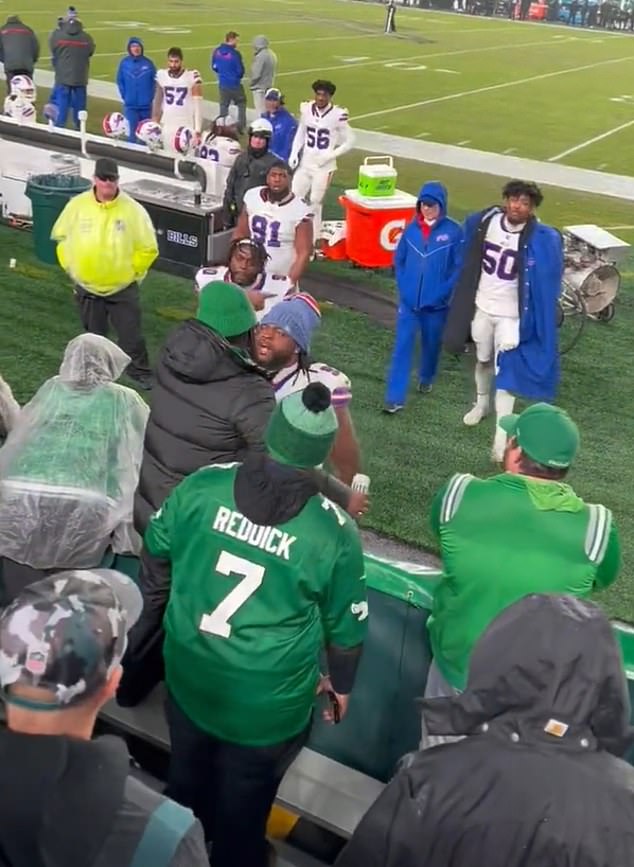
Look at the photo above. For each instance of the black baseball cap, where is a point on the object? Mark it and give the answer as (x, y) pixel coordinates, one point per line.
(106, 168)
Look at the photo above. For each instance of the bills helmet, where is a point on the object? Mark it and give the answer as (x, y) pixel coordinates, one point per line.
(115, 125)
(150, 133)
(183, 140)
(19, 109)
(22, 85)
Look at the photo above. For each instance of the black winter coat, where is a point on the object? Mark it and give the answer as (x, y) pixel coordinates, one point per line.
(247, 172)
(534, 783)
(210, 405)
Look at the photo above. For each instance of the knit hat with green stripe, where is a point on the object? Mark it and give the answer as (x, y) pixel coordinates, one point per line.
(302, 429)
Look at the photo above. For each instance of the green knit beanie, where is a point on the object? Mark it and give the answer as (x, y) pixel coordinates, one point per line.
(225, 308)
(302, 429)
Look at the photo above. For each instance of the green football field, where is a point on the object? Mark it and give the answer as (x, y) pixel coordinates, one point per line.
(527, 89)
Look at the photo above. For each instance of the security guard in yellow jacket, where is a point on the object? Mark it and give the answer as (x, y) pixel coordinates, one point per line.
(106, 244)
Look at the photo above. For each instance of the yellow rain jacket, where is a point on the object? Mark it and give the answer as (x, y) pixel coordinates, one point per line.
(105, 246)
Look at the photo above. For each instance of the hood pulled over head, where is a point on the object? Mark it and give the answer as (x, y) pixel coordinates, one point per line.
(549, 667)
(436, 192)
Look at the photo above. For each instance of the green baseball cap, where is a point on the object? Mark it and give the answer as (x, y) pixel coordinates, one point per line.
(545, 433)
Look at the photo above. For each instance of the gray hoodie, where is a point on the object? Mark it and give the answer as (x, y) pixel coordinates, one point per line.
(19, 46)
(71, 49)
(263, 66)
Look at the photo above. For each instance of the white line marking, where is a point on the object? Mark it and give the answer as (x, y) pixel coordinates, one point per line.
(448, 71)
(418, 135)
(492, 87)
(585, 144)
(509, 151)
(617, 228)
(464, 142)
(379, 128)
(601, 166)
(385, 60)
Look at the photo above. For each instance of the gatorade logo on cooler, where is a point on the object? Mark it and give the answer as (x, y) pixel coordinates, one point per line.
(391, 233)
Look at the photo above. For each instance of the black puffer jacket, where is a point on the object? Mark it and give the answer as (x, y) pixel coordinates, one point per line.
(210, 405)
(537, 781)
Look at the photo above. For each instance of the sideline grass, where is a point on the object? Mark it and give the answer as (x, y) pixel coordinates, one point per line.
(408, 456)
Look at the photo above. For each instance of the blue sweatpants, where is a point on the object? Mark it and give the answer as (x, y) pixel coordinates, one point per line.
(429, 324)
(69, 98)
(134, 116)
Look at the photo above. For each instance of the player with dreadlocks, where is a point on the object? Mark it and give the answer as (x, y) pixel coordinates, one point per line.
(246, 267)
(282, 345)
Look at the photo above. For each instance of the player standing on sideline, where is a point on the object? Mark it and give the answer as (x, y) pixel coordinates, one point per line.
(264, 573)
(323, 135)
(274, 216)
(282, 344)
(390, 18)
(506, 298)
(178, 99)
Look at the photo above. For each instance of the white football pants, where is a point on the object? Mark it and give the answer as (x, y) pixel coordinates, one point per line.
(311, 182)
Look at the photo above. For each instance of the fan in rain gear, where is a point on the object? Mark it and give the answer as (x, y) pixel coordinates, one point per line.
(538, 780)
(70, 465)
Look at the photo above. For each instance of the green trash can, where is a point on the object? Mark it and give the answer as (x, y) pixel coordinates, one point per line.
(49, 195)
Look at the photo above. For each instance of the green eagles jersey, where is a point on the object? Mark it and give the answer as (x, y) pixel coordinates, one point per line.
(251, 607)
(501, 539)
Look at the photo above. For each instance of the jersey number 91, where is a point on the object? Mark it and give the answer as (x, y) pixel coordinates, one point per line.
(265, 232)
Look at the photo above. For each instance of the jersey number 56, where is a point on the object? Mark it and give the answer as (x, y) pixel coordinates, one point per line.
(319, 138)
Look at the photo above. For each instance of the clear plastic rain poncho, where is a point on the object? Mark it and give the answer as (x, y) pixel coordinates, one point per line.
(69, 468)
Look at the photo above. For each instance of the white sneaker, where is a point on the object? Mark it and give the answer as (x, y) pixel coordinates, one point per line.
(475, 415)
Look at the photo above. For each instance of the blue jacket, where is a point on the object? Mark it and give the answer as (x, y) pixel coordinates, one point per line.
(226, 62)
(136, 78)
(427, 268)
(532, 369)
(284, 129)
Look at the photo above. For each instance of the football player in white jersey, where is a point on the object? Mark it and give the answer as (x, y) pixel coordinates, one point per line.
(513, 266)
(178, 99)
(245, 267)
(282, 344)
(323, 134)
(218, 151)
(276, 217)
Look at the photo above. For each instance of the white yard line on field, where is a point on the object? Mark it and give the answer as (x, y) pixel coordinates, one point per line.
(498, 47)
(435, 153)
(491, 87)
(590, 141)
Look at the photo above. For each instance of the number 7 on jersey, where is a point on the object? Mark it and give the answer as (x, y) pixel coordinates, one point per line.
(217, 622)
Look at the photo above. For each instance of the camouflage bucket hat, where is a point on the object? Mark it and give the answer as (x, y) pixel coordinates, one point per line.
(67, 634)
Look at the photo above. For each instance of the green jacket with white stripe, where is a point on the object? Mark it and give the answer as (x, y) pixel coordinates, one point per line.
(503, 538)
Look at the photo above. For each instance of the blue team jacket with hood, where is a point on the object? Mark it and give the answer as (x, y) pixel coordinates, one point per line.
(136, 78)
(427, 268)
(226, 62)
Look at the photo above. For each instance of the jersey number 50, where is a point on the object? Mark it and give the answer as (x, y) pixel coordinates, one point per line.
(265, 232)
(319, 138)
(502, 263)
(174, 95)
(217, 622)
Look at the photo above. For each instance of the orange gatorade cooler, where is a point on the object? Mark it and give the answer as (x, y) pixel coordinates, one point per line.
(375, 225)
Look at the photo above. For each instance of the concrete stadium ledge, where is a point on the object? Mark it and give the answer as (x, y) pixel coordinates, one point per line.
(554, 174)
